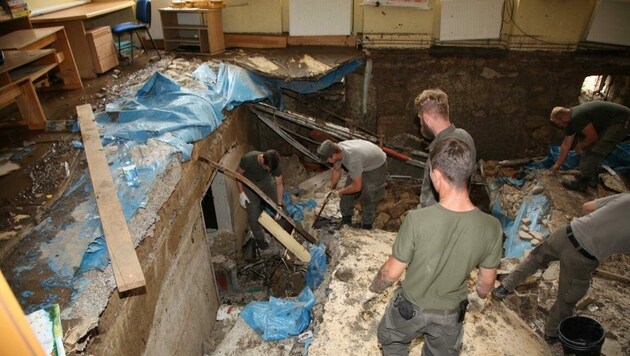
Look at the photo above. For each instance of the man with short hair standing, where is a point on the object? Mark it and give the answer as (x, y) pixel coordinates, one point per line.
(600, 125)
(367, 171)
(433, 112)
(263, 169)
(438, 246)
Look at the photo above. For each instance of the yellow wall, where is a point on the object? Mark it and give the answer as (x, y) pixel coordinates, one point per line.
(554, 21)
(253, 16)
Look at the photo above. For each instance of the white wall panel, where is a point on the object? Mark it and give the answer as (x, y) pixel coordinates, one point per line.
(320, 17)
(470, 19)
(611, 23)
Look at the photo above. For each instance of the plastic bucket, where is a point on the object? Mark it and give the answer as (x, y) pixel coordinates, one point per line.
(581, 336)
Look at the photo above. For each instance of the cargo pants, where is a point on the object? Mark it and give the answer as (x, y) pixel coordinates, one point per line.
(575, 275)
(596, 152)
(372, 192)
(255, 206)
(443, 334)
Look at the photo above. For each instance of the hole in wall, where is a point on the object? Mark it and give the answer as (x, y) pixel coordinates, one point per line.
(596, 87)
(209, 211)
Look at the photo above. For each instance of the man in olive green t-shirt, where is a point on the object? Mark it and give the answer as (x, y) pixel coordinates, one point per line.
(438, 246)
(600, 126)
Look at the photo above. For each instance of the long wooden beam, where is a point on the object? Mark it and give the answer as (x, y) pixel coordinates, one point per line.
(228, 172)
(122, 254)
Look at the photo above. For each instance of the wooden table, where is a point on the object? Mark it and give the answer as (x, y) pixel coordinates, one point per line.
(78, 19)
(49, 37)
(17, 74)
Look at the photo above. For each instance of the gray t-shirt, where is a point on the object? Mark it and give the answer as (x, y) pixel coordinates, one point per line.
(361, 156)
(428, 196)
(605, 231)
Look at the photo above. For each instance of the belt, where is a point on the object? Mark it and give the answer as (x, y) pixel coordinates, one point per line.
(577, 245)
(401, 298)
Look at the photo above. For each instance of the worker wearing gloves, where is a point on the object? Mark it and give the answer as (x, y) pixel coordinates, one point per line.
(438, 246)
(600, 125)
(435, 124)
(603, 231)
(367, 171)
(263, 169)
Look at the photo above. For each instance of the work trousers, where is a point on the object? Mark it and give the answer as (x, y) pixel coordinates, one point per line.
(372, 192)
(596, 152)
(443, 335)
(255, 206)
(575, 275)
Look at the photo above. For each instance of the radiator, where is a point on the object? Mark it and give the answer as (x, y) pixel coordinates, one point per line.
(320, 17)
(470, 19)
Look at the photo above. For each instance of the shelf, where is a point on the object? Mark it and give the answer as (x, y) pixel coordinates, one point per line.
(204, 31)
(183, 40)
(186, 27)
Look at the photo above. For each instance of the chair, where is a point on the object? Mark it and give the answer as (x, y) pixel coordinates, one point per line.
(143, 15)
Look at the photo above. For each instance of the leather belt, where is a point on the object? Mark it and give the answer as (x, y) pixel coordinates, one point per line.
(577, 245)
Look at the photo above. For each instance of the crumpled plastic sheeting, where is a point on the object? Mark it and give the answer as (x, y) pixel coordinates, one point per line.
(278, 319)
(619, 159)
(534, 209)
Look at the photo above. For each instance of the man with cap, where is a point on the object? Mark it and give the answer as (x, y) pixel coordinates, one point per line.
(600, 125)
(365, 163)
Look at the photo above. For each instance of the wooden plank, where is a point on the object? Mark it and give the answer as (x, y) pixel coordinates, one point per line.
(254, 41)
(343, 41)
(283, 237)
(125, 263)
(610, 275)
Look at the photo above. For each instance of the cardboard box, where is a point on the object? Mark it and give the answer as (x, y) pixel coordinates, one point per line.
(102, 47)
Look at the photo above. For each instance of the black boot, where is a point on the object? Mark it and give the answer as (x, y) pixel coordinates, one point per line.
(579, 184)
(345, 220)
(262, 244)
(249, 250)
(500, 292)
(365, 226)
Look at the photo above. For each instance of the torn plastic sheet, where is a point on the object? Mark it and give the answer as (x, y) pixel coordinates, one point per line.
(278, 319)
(618, 159)
(535, 208)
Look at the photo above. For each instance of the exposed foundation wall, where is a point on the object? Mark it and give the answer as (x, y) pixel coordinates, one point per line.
(175, 314)
(502, 98)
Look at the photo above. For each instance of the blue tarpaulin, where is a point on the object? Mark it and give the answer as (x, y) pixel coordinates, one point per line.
(163, 111)
(536, 206)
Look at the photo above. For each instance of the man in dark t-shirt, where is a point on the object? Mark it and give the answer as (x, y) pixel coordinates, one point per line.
(263, 169)
(600, 125)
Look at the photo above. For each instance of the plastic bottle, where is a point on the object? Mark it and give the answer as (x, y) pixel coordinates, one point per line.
(127, 164)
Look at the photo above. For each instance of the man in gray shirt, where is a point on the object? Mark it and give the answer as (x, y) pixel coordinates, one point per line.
(433, 112)
(367, 171)
(604, 230)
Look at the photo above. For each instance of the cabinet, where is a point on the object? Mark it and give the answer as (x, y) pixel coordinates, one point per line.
(102, 48)
(193, 30)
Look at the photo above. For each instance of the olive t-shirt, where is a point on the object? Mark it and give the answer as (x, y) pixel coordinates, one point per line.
(602, 114)
(441, 248)
(253, 170)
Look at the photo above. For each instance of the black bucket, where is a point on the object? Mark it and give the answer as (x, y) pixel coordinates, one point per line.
(581, 336)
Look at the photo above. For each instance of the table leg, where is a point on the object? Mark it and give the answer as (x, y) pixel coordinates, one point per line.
(30, 107)
(77, 38)
(68, 67)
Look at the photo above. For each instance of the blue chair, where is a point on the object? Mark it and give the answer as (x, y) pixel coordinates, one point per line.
(143, 15)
